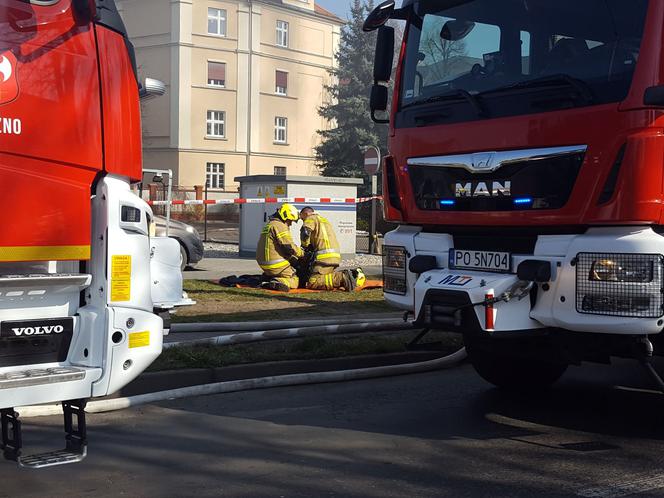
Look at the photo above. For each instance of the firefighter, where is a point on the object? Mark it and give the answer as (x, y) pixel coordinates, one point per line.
(277, 253)
(318, 238)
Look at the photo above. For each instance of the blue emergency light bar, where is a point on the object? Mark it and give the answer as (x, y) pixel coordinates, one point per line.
(522, 201)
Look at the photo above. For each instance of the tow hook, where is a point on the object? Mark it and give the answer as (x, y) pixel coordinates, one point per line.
(644, 353)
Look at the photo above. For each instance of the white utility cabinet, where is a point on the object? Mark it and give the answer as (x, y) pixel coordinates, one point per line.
(342, 216)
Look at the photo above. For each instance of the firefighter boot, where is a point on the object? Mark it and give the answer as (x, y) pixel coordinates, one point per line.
(349, 281)
(276, 285)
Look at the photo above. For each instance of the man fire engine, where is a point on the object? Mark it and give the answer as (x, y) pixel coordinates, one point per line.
(526, 172)
(83, 286)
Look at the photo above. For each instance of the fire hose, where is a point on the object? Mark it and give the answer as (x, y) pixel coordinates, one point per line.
(109, 405)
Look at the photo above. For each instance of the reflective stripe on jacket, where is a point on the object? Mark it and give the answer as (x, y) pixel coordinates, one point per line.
(318, 234)
(275, 246)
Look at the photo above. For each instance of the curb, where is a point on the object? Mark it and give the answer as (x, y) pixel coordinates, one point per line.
(175, 379)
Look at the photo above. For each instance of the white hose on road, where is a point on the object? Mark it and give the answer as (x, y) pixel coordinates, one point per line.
(295, 333)
(178, 328)
(258, 383)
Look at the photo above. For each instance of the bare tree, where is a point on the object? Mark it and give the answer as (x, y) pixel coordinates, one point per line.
(440, 56)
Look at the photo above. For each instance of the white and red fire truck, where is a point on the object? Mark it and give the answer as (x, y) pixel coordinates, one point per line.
(84, 288)
(526, 171)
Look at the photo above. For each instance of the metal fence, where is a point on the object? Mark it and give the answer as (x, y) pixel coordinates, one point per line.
(221, 222)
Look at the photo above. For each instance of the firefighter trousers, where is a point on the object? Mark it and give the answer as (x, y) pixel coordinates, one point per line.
(325, 278)
(287, 276)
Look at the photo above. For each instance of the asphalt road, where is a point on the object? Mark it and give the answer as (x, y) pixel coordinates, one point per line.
(441, 434)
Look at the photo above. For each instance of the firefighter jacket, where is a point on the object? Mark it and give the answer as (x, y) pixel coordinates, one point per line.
(276, 248)
(318, 235)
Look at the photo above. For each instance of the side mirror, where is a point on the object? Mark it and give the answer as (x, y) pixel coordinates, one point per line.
(151, 88)
(384, 56)
(378, 102)
(379, 16)
(85, 11)
(456, 30)
(654, 96)
(383, 60)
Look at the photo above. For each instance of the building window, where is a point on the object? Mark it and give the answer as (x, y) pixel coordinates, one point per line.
(215, 175)
(216, 22)
(216, 124)
(280, 130)
(282, 33)
(282, 83)
(280, 170)
(217, 74)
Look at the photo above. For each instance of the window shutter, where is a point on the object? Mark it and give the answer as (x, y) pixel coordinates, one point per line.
(217, 71)
(282, 79)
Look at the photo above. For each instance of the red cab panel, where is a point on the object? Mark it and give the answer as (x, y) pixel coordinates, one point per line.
(122, 114)
(50, 131)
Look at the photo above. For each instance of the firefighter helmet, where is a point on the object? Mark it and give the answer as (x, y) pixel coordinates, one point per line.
(288, 212)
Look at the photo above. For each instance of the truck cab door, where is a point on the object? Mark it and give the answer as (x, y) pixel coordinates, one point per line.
(50, 131)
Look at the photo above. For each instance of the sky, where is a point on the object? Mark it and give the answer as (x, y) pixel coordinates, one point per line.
(340, 7)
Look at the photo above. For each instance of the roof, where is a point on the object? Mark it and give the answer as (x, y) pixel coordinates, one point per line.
(318, 10)
(326, 13)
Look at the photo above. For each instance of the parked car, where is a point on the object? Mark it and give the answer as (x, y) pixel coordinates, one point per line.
(191, 244)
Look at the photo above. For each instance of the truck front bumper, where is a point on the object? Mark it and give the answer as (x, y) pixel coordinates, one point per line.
(457, 299)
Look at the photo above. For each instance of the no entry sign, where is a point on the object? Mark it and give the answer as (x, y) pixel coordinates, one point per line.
(372, 161)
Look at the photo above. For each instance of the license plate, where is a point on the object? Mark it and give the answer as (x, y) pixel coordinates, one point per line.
(48, 327)
(481, 260)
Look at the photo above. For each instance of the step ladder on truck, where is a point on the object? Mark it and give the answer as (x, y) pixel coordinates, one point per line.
(85, 290)
(526, 173)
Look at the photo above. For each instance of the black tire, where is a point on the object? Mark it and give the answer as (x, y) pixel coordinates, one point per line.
(184, 258)
(499, 363)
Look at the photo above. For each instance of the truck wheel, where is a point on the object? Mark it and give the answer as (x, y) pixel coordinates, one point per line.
(515, 372)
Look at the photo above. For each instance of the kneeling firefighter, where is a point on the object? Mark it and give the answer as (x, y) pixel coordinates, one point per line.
(276, 252)
(320, 242)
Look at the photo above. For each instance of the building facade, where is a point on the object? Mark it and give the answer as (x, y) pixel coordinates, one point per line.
(244, 82)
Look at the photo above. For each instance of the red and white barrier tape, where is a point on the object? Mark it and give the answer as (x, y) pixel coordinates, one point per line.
(268, 200)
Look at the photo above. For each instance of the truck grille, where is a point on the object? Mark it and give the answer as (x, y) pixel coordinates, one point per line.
(450, 183)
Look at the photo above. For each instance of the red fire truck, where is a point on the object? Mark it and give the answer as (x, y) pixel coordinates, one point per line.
(84, 289)
(526, 171)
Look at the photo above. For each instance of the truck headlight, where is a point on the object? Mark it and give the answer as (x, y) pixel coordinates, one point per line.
(614, 270)
(620, 284)
(395, 260)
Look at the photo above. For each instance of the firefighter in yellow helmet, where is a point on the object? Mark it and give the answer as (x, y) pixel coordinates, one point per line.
(276, 252)
(318, 237)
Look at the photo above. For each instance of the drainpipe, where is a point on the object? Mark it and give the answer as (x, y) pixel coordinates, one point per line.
(251, 53)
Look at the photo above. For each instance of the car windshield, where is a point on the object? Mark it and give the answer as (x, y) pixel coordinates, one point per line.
(469, 50)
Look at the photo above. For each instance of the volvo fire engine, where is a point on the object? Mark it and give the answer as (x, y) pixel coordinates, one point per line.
(84, 288)
(526, 173)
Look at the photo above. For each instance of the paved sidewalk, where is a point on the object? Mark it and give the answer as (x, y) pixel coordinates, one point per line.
(216, 268)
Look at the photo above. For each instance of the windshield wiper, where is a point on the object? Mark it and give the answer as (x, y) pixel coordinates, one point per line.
(583, 89)
(452, 95)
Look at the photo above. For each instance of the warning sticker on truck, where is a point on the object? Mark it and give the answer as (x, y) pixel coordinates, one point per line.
(139, 339)
(121, 278)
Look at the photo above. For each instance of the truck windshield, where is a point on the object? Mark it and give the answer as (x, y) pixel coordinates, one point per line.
(562, 53)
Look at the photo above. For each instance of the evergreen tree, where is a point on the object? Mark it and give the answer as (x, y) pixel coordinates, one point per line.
(341, 150)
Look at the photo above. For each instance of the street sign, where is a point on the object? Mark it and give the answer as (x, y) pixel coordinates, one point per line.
(372, 161)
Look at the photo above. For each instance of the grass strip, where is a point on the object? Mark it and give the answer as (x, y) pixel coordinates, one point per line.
(221, 304)
(309, 348)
